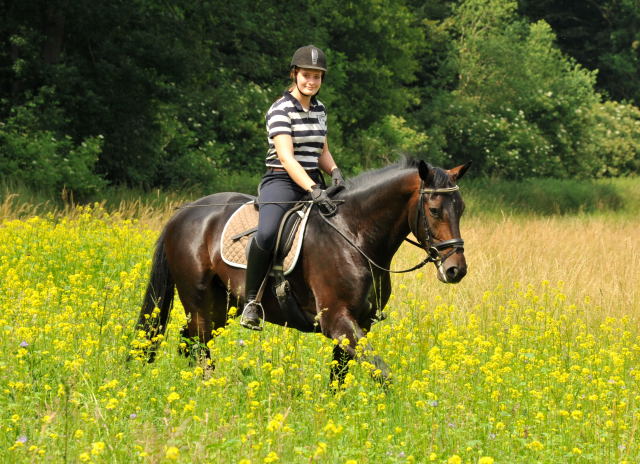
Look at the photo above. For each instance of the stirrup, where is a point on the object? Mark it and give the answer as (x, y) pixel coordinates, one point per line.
(253, 323)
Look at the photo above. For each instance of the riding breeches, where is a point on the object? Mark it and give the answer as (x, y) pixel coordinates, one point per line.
(277, 194)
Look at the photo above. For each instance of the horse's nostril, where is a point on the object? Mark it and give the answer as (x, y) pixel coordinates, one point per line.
(452, 272)
(455, 274)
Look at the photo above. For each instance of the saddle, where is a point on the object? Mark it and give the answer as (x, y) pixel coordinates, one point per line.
(236, 235)
(243, 224)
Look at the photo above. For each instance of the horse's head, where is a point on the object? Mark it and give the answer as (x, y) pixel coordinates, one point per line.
(437, 220)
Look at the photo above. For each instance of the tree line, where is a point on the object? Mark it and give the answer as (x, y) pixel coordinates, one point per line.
(167, 94)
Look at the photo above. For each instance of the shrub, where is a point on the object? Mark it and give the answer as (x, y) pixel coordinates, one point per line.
(521, 108)
(40, 158)
(615, 138)
(384, 142)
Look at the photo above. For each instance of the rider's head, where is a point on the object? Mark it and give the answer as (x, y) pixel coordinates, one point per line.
(308, 64)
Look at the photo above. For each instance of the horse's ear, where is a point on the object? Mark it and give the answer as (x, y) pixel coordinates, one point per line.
(426, 172)
(457, 172)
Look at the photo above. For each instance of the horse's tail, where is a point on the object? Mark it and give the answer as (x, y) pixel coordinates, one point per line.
(158, 300)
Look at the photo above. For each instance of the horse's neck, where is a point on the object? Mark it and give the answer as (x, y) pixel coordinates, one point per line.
(380, 215)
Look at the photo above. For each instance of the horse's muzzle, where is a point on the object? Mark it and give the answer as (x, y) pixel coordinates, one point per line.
(452, 269)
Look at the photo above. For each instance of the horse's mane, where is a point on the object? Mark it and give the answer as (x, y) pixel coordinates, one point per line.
(373, 179)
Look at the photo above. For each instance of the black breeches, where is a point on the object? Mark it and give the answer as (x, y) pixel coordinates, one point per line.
(277, 187)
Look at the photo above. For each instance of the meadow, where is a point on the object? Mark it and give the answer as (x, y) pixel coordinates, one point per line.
(533, 358)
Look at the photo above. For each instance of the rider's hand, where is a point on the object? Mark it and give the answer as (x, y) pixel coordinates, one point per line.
(320, 198)
(336, 178)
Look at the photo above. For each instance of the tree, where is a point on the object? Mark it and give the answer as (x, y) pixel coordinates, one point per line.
(601, 35)
(521, 107)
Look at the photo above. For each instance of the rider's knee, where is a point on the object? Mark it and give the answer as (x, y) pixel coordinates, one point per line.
(266, 241)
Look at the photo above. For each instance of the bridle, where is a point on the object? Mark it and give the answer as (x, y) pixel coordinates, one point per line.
(433, 249)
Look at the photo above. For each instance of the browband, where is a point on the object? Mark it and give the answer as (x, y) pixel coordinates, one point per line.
(440, 190)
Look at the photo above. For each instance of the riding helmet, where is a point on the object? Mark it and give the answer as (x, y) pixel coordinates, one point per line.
(310, 57)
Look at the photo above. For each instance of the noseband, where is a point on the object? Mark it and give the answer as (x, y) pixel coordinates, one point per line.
(434, 249)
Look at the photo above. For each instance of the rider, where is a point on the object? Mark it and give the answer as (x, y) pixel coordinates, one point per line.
(298, 148)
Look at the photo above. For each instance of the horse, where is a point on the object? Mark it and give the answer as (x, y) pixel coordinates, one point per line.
(341, 280)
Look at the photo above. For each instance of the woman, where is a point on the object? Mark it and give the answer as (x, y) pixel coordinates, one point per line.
(298, 148)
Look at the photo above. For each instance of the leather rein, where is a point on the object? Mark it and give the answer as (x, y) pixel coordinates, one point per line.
(432, 249)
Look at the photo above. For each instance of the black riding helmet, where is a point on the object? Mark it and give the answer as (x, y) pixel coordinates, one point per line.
(310, 57)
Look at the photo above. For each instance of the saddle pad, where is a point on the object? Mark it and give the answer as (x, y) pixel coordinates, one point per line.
(234, 252)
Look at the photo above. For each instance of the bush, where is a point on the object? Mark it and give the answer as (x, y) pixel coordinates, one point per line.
(615, 138)
(521, 108)
(42, 159)
(384, 142)
(502, 145)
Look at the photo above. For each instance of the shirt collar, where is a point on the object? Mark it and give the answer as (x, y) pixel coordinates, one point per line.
(294, 100)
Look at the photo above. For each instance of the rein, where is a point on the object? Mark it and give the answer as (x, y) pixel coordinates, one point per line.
(428, 259)
(433, 251)
(240, 203)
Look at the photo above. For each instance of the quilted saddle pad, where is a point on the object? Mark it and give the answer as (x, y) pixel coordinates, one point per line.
(239, 229)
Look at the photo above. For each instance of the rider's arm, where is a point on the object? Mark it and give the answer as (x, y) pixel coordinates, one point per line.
(325, 161)
(284, 149)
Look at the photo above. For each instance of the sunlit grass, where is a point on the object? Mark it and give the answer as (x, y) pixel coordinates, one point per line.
(594, 256)
(533, 357)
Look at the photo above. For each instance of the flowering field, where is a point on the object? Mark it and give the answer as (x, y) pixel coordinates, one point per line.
(534, 357)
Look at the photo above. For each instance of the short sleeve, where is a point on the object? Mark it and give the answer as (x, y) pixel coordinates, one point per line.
(278, 122)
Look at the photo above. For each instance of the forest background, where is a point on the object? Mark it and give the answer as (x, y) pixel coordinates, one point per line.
(172, 95)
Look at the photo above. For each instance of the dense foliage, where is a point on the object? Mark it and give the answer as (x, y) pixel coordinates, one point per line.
(151, 93)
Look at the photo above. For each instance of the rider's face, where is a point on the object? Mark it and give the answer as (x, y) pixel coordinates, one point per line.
(309, 81)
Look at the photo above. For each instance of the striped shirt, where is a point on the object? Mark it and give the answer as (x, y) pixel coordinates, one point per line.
(307, 129)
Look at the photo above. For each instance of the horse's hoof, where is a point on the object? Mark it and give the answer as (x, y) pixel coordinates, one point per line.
(208, 371)
(387, 384)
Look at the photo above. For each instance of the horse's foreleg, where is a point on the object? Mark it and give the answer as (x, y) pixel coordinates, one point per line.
(351, 345)
(378, 296)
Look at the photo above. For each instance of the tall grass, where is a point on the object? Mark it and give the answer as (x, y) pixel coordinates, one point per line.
(547, 197)
(18, 200)
(594, 256)
(484, 197)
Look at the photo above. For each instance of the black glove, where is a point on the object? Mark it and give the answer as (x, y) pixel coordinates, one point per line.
(320, 198)
(336, 178)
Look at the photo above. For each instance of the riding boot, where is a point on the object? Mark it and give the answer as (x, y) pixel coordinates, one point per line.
(258, 263)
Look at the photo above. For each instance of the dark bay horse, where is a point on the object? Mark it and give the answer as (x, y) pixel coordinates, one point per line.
(341, 280)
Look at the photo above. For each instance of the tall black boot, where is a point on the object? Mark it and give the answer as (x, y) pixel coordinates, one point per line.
(258, 263)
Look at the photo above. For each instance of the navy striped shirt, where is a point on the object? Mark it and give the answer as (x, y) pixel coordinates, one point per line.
(307, 129)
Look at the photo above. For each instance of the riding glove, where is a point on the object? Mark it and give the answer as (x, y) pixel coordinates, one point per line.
(320, 198)
(336, 177)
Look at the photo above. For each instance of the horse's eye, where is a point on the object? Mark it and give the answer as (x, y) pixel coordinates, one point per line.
(435, 212)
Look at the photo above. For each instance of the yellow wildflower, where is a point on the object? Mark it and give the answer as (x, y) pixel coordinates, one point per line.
(172, 453)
